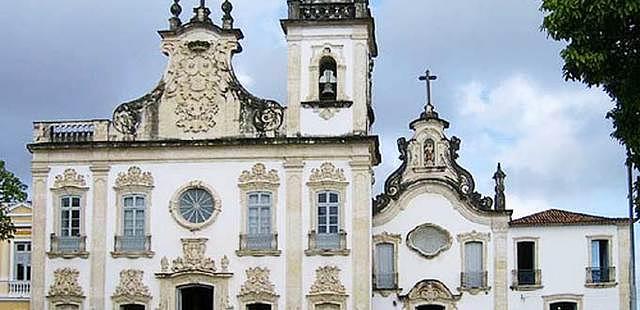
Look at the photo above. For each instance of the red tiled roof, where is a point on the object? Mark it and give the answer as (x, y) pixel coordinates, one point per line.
(554, 217)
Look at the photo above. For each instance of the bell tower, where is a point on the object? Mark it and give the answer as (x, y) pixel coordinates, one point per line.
(331, 47)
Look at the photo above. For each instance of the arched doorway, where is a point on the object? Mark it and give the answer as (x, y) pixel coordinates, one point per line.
(430, 307)
(563, 306)
(258, 306)
(195, 297)
(132, 307)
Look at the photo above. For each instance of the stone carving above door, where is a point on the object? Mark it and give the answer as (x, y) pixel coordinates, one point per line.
(258, 288)
(131, 288)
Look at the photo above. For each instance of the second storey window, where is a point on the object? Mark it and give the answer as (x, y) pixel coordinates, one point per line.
(473, 276)
(70, 217)
(328, 224)
(385, 275)
(527, 276)
(600, 272)
(134, 223)
(22, 262)
(259, 235)
(68, 238)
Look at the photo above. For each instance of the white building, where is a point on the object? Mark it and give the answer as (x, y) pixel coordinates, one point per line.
(201, 196)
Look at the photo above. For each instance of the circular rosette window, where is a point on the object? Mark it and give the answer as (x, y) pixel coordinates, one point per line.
(195, 205)
(429, 240)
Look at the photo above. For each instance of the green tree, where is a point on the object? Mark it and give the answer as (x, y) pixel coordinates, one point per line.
(12, 190)
(603, 50)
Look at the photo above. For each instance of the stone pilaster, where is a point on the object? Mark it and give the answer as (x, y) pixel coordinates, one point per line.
(500, 272)
(294, 233)
(624, 251)
(294, 80)
(39, 237)
(361, 234)
(360, 84)
(98, 237)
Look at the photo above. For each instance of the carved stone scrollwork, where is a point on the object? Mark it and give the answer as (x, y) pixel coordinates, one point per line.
(262, 116)
(134, 177)
(65, 288)
(128, 117)
(259, 174)
(327, 281)
(393, 186)
(258, 287)
(131, 288)
(327, 173)
(69, 178)
(430, 292)
(193, 258)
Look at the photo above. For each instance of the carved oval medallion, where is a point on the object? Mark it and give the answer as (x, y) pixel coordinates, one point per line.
(429, 240)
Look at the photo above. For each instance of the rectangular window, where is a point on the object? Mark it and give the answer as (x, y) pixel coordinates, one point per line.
(526, 272)
(22, 261)
(133, 223)
(328, 220)
(473, 265)
(385, 266)
(600, 261)
(259, 229)
(70, 216)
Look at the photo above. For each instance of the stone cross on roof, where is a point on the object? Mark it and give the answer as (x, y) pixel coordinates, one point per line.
(429, 109)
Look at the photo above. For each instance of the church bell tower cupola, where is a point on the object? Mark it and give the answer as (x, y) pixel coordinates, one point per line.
(331, 50)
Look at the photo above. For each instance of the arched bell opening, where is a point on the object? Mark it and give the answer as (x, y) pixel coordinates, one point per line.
(328, 80)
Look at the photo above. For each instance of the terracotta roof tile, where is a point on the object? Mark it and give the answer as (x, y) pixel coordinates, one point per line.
(554, 217)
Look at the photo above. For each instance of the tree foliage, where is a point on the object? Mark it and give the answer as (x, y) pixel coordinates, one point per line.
(603, 50)
(12, 190)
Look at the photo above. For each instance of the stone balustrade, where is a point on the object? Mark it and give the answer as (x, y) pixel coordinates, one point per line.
(71, 131)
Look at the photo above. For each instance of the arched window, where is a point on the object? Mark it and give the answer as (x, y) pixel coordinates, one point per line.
(328, 80)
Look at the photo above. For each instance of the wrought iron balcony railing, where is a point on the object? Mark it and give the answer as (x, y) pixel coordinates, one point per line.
(477, 279)
(132, 244)
(385, 281)
(15, 289)
(68, 246)
(598, 275)
(327, 244)
(259, 242)
(526, 277)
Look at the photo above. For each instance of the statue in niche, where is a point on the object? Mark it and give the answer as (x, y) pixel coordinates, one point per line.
(429, 153)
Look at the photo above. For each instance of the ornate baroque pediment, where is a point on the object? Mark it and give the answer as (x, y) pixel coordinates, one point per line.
(259, 175)
(258, 286)
(65, 284)
(134, 177)
(430, 291)
(327, 282)
(69, 178)
(131, 286)
(193, 259)
(327, 173)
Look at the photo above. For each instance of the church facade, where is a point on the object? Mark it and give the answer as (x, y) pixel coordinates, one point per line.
(200, 195)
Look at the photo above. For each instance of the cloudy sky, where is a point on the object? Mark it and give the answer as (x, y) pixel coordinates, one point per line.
(500, 85)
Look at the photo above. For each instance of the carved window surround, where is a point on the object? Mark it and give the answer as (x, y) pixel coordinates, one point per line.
(70, 183)
(258, 288)
(133, 182)
(395, 240)
(174, 205)
(65, 289)
(327, 289)
(537, 272)
(327, 178)
(131, 290)
(483, 238)
(335, 52)
(551, 299)
(611, 270)
(258, 180)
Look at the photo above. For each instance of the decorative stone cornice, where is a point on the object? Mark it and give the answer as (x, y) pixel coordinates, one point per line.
(327, 282)
(386, 237)
(69, 178)
(134, 177)
(65, 284)
(473, 236)
(131, 287)
(259, 175)
(327, 173)
(258, 286)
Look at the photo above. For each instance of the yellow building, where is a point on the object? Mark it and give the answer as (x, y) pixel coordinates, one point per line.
(15, 261)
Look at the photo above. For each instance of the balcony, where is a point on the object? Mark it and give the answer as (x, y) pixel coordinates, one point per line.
(15, 289)
(132, 247)
(597, 277)
(327, 244)
(258, 245)
(474, 282)
(71, 131)
(526, 279)
(68, 246)
(385, 281)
